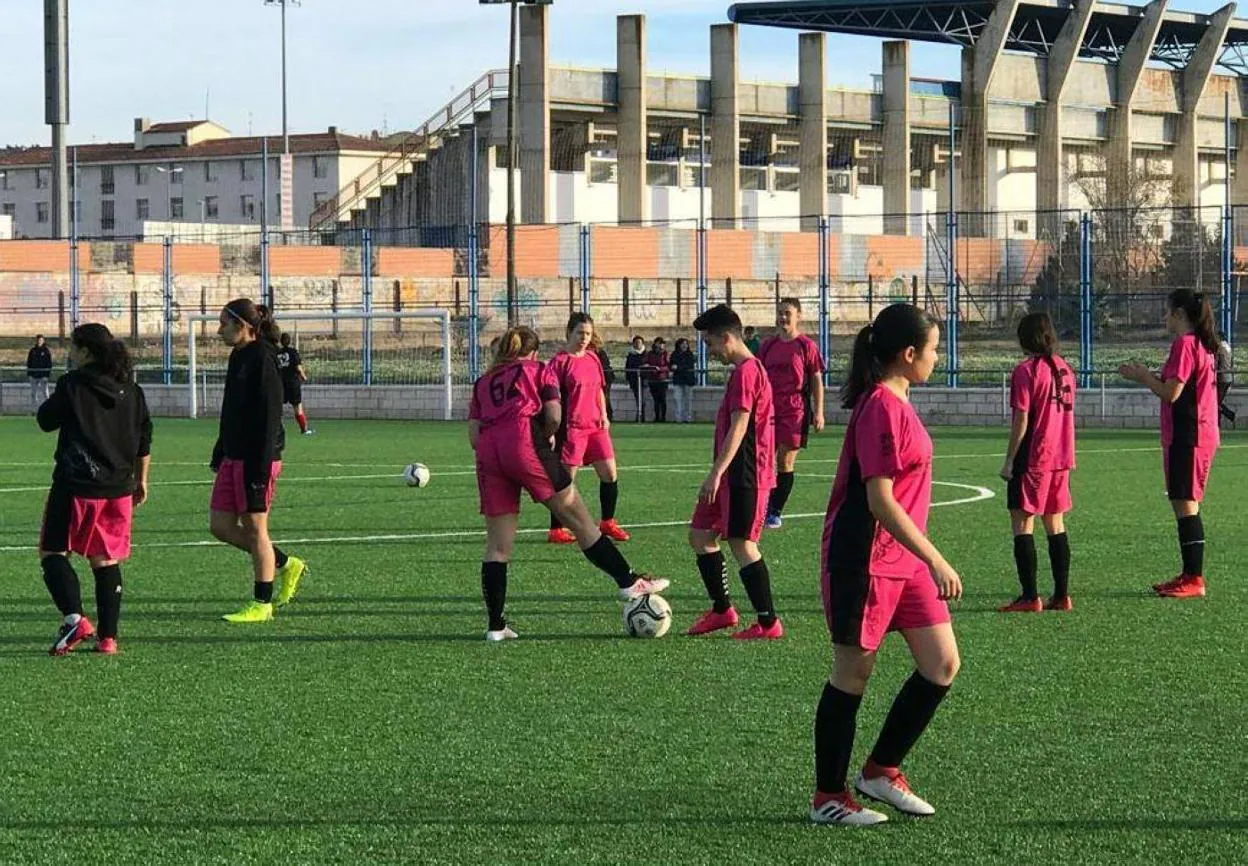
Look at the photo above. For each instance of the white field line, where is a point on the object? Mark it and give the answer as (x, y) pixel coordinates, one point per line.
(980, 494)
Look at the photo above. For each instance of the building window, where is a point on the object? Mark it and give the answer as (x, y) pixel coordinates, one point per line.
(247, 204)
(142, 209)
(41, 178)
(248, 169)
(175, 208)
(319, 198)
(41, 212)
(8, 209)
(107, 186)
(142, 175)
(320, 167)
(210, 172)
(108, 217)
(210, 207)
(175, 174)
(4, 180)
(1021, 226)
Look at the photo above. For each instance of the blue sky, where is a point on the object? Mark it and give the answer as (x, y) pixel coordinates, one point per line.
(356, 64)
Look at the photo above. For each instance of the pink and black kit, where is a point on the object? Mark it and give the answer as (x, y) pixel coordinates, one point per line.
(1044, 390)
(1189, 425)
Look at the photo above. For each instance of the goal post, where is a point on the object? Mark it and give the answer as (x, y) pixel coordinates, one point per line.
(356, 363)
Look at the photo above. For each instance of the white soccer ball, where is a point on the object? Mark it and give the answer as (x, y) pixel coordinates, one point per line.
(416, 474)
(647, 616)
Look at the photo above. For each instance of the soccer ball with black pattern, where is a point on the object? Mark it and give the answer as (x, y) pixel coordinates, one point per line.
(416, 474)
(647, 616)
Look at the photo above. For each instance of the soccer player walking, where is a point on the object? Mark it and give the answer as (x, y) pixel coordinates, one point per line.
(584, 436)
(732, 502)
(290, 364)
(100, 473)
(795, 370)
(1188, 390)
(512, 419)
(880, 572)
(1038, 461)
(248, 456)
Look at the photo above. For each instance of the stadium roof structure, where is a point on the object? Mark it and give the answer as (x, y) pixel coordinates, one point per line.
(1034, 29)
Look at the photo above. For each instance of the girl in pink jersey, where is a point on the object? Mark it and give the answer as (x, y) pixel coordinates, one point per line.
(584, 437)
(1038, 461)
(512, 419)
(880, 572)
(795, 370)
(1188, 390)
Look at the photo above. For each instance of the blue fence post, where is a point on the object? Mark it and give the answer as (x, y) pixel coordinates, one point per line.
(366, 268)
(474, 305)
(825, 323)
(951, 294)
(587, 252)
(701, 266)
(266, 287)
(1228, 265)
(166, 286)
(1086, 335)
(75, 291)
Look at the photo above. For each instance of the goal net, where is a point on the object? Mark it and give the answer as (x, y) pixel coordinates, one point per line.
(418, 349)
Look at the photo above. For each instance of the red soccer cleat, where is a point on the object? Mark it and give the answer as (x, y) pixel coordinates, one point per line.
(107, 646)
(712, 621)
(1187, 587)
(758, 631)
(1063, 603)
(69, 636)
(560, 536)
(613, 530)
(1168, 585)
(1022, 605)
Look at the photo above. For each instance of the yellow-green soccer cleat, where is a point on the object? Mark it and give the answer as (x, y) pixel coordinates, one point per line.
(255, 611)
(288, 580)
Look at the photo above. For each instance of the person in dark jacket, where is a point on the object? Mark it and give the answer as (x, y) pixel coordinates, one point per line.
(684, 377)
(248, 456)
(99, 474)
(608, 372)
(39, 371)
(657, 374)
(633, 373)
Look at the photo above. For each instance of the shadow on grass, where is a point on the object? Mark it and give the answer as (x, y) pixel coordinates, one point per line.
(1155, 822)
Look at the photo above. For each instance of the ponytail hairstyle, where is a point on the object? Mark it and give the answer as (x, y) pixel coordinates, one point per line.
(1037, 336)
(516, 343)
(107, 352)
(1199, 314)
(895, 329)
(258, 317)
(579, 319)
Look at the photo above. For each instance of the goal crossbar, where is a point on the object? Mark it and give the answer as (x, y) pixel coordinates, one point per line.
(442, 317)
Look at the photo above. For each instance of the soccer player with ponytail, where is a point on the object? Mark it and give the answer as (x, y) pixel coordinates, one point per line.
(248, 456)
(100, 474)
(1188, 390)
(512, 420)
(880, 573)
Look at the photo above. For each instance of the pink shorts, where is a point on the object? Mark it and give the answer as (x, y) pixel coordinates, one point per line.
(88, 527)
(737, 512)
(1186, 469)
(515, 459)
(585, 446)
(229, 491)
(792, 428)
(861, 609)
(1040, 492)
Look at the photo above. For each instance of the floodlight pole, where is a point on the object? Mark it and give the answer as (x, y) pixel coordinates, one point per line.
(513, 77)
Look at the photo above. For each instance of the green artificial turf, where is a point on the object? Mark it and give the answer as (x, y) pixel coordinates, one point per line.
(371, 723)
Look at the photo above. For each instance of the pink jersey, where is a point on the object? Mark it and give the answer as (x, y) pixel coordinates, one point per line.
(792, 366)
(748, 390)
(512, 394)
(884, 439)
(581, 382)
(1045, 393)
(1192, 420)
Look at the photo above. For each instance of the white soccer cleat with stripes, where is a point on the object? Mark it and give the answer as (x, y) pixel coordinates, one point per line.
(843, 809)
(894, 791)
(644, 586)
(501, 634)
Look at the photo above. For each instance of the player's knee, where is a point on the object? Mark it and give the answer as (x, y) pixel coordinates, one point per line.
(942, 670)
(745, 552)
(703, 541)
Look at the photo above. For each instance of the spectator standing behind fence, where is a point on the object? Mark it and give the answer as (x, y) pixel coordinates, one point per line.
(632, 372)
(658, 373)
(39, 371)
(751, 338)
(608, 372)
(684, 377)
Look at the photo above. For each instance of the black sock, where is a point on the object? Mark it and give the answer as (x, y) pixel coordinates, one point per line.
(835, 721)
(494, 591)
(608, 496)
(279, 558)
(264, 592)
(1025, 559)
(108, 599)
(607, 557)
(62, 583)
(1192, 545)
(780, 493)
(554, 522)
(757, 582)
(715, 578)
(910, 715)
(1059, 558)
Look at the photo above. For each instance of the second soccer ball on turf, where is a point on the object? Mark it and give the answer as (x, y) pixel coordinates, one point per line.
(416, 474)
(647, 616)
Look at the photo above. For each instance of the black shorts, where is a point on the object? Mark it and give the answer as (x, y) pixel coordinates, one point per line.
(292, 393)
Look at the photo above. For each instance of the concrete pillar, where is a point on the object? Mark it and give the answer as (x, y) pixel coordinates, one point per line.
(1119, 156)
(897, 138)
(1195, 77)
(725, 129)
(812, 78)
(1050, 165)
(534, 114)
(632, 142)
(978, 65)
(1239, 189)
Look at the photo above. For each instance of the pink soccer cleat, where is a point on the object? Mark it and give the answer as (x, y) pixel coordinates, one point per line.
(758, 631)
(1187, 587)
(107, 646)
(560, 536)
(1022, 605)
(613, 531)
(1063, 603)
(70, 635)
(713, 621)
